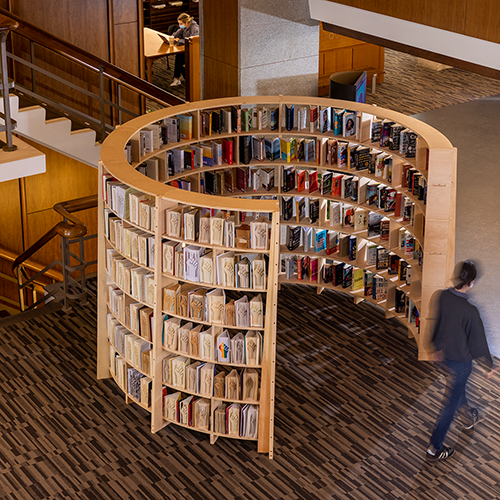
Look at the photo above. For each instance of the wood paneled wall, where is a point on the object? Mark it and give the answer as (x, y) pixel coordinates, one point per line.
(64, 180)
(475, 18)
(26, 211)
(108, 29)
(83, 23)
(221, 48)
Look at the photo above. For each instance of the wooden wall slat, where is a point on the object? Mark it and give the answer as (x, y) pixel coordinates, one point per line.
(65, 179)
(83, 23)
(125, 11)
(221, 79)
(11, 235)
(483, 21)
(221, 36)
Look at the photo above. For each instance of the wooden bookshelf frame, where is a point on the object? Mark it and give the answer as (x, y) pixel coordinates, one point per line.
(435, 159)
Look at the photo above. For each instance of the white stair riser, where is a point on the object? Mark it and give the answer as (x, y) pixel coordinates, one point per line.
(54, 134)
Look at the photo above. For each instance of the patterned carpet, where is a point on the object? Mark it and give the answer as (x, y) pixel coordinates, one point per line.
(409, 86)
(353, 415)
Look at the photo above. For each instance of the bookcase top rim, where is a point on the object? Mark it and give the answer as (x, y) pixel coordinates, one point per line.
(113, 158)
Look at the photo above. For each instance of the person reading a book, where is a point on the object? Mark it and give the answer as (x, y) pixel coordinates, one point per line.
(187, 27)
(458, 338)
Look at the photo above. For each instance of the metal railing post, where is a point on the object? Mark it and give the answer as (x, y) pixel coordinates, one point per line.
(119, 102)
(22, 304)
(65, 264)
(103, 109)
(5, 90)
(32, 60)
(83, 281)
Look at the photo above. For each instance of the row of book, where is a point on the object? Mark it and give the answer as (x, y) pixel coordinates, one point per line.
(221, 228)
(201, 304)
(364, 190)
(187, 410)
(306, 267)
(137, 282)
(154, 136)
(347, 276)
(405, 305)
(342, 216)
(238, 420)
(301, 118)
(139, 320)
(212, 344)
(238, 180)
(326, 183)
(202, 265)
(235, 420)
(128, 203)
(135, 350)
(238, 119)
(316, 240)
(320, 151)
(207, 380)
(133, 243)
(131, 381)
(322, 119)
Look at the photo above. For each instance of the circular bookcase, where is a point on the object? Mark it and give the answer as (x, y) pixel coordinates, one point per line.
(206, 208)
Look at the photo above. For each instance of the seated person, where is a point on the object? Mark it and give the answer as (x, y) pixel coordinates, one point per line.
(187, 27)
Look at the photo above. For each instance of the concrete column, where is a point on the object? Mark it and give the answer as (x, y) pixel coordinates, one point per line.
(273, 50)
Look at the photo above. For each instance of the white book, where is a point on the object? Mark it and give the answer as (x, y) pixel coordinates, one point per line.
(208, 344)
(215, 303)
(252, 422)
(242, 312)
(171, 333)
(217, 229)
(225, 269)
(256, 311)
(207, 379)
(259, 234)
(233, 419)
(192, 263)
(169, 252)
(259, 278)
(206, 268)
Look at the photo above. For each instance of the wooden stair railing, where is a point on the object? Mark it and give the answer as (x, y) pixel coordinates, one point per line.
(70, 228)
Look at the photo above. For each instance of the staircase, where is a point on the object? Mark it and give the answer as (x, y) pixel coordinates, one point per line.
(55, 133)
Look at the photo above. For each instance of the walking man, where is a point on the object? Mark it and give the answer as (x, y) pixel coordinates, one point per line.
(459, 338)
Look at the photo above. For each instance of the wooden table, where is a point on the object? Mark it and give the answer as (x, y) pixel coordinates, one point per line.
(155, 47)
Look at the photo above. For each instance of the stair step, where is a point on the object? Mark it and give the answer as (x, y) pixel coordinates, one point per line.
(60, 125)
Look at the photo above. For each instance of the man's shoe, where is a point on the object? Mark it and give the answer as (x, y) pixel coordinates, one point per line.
(472, 417)
(176, 82)
(441, 455)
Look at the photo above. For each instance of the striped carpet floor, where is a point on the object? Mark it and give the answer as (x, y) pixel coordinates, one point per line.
(353, 415)
(409, 86)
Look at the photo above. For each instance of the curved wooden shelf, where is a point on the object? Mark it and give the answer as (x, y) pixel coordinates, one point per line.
(433, 227)
(225, 327)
